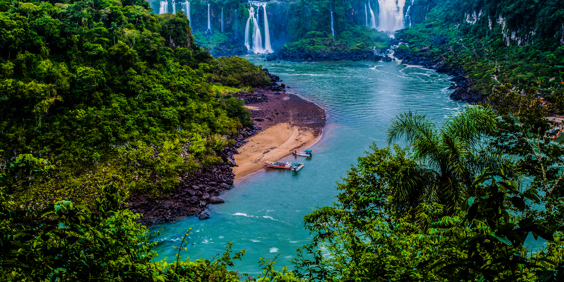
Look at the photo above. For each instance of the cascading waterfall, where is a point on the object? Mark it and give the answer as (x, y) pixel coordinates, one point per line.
(187, 11)
(209, 21)
(258, 14)
(253, 38)
(173, 7)
(391, 15)
(257, 37)
(332, 27)
(407, 15)
(248, 27)
(163, 9)
(221, 19)
(372, 17)
(267, 46)
(366, 14)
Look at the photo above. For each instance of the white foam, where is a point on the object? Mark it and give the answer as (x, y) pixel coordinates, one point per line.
(241, 214)
(273, 250)
(221, 237)
(255, 240)
(269, 217)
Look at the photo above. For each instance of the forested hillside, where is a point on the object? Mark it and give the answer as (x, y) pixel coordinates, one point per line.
(100, 91)
(100, 100)
(495, 42)
(289, 22)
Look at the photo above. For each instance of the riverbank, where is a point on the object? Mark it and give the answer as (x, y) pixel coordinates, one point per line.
(461, 82)
(282, 122)
(288, 123)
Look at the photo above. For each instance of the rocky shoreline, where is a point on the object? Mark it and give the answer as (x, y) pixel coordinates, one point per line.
(461, 83)
(203, 188)
(196, 192)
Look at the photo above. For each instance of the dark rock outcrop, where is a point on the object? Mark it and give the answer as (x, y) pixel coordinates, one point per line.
(195, 192)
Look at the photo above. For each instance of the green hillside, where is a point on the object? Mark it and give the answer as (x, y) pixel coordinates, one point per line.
(496, 43)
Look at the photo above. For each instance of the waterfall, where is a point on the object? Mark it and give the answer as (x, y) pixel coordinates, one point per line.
(221, 19)
(407, 15)
(209, 21)
(366, 14)
(332, 27)
(236, 31)
(247, 28)
(187, 11)
(258, 14)
(174, 8)
(372, 17)
(391, 15)
(257, 36)
(163, 8)
(267, 46)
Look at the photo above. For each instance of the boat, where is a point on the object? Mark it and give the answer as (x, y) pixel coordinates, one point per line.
(297, 166)
(306, 153)
(280, 165)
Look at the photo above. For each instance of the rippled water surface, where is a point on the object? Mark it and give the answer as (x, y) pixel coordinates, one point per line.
(264, 213)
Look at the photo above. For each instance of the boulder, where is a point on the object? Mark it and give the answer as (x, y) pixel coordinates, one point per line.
(216, 200)
(204, 215)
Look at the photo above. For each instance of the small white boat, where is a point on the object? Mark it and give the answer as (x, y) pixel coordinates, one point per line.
(306, 153)
(297, 166)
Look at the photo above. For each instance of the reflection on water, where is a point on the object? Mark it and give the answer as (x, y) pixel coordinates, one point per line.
(264, 213)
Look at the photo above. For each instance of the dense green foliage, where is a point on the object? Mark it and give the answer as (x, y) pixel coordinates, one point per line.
(100, 99)
(107, 91)
(395, 220)
(357, 38)
(68, 242)
(497, 42)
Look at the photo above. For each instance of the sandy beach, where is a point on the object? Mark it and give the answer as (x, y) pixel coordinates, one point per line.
(288, 123)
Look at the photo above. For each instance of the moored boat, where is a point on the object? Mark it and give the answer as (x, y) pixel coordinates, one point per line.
(297, 166)
(306, 153)
(280, 165)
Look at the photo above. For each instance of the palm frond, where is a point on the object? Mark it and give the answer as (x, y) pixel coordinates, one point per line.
(471, 124)
(455, 152)
(416, 130)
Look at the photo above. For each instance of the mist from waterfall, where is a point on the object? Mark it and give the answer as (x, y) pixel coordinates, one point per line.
(163, 9)
(391, 15)
(332, 26)
(187, 11)
(372, 17)
(221, 19)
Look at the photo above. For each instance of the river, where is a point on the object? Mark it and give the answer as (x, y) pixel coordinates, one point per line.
(264, 213)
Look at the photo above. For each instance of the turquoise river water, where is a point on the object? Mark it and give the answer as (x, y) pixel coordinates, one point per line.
(264, 213)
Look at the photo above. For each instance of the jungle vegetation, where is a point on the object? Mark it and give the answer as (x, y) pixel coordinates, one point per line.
(495, 43)
(100, 99)
(290, 22)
